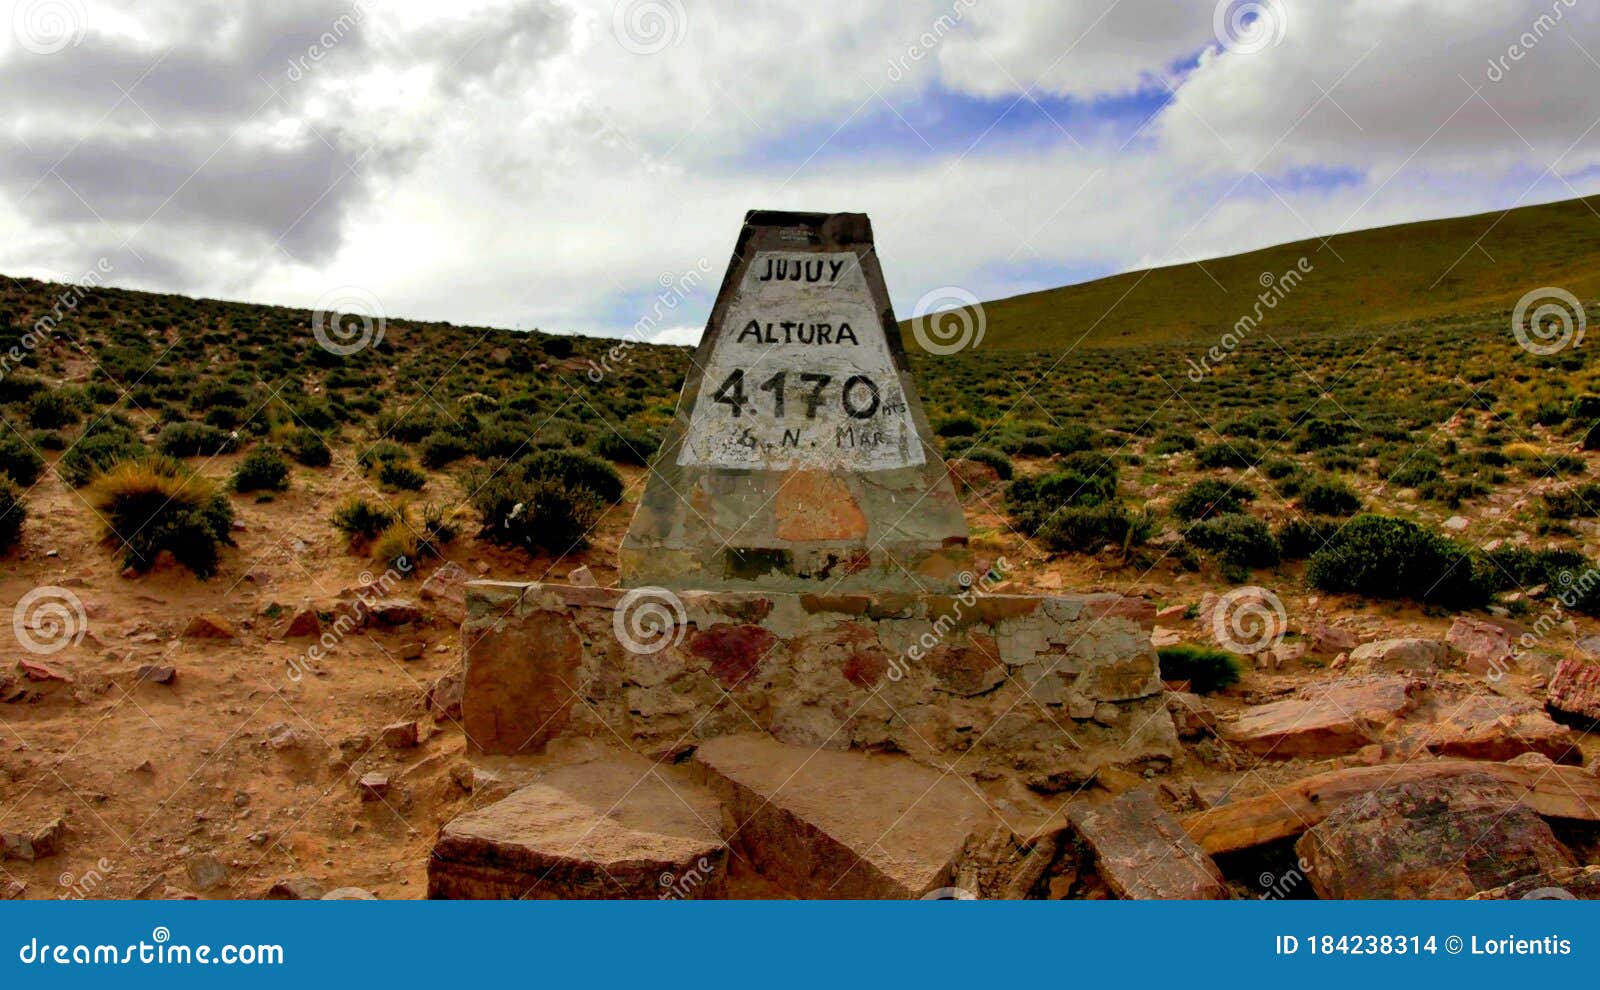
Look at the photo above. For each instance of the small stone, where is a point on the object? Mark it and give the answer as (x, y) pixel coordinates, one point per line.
(400, 735)
(304, 624)
(209, 625)
(1457, 524)
(373, 786)
(205, 871)
(349, 894)
(296, 889)
(1486, 644)
(582, 577)
(394, 612)
(413, 650)
(13, 891)
(38, 670)
(1172, 611)
(155, 674)
(444, 698)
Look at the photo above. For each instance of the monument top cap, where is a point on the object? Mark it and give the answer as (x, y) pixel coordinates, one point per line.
(800, 457)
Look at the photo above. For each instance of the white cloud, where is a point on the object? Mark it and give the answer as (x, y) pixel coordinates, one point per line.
(517, 164)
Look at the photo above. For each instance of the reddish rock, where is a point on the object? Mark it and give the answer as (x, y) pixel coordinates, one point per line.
(511, 704)
(735, 652)
(1191, 716)
(209, 625)
(373, 786)
(841, 825)
(296, 889)
(967, 669)
(400, 735)
(614, 828)
(394, 612)
(1142, 853)
(156, 674)
(1487, 646)
(865, 668)
(1581, 883)
(1326, 638)
(304, 624)
(1574, 691)
(446, 592)
(444, 698)
(1489, 727)
(1442, 839)
(1326, 720)
(38, 670)
(1400, 654)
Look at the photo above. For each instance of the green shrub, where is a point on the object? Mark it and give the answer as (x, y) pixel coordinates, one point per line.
(12, 515)
(574, 469)
(958, 426)
(361, 519)
(1330, 498)
(402, 475)
(157, 504)
(194, 440)
(1235, 454)
(1385, 557)
(1089, 529)
(18, 461)
(383, 450)
(1239, 541)
(988, 455)
(1209, 497)
(97, 452)
(307, 447)
(1173, 443)
(1032, 501)
(440, 449)
(1578, 502)
(263, 469)
(533, 511)
(1300, 538)
(1207, 671)
(626, 447)
(50, 410)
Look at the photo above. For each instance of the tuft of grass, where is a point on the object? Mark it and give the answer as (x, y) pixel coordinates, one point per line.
(12, 515)
(156, 504)
(1206, 670)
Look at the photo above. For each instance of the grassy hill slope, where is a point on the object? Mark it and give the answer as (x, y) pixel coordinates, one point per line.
(1465, 267)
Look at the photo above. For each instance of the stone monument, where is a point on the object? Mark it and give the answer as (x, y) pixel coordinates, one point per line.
(796, 579)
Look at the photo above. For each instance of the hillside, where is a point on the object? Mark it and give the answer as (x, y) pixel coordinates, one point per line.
(1465, 267)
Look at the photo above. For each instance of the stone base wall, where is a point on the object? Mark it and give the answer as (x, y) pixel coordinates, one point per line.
(1048, 688)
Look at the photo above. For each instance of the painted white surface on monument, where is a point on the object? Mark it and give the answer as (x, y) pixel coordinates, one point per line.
(800, 376)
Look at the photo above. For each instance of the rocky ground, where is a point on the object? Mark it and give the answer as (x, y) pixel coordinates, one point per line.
(186, 739)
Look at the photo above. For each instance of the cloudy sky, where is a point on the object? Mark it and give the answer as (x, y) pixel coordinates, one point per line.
(553, 163)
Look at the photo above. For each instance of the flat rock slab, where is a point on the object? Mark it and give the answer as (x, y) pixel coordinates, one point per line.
(1552, 791)
(1574, 691)
(1490, 727)
(1142, 853)
(1326, 720)
(617, 828)
(1439, 839)
(1581, 883)
(841, 825)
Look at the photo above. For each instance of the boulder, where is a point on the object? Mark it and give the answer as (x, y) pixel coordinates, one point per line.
(444, 697)
(205, 871)
(582, 577)
(156, 674)
(38, 670)
(1329, 719)
(209, 625)
(1142, 853)
(618, 827)
(349, 894)
(1191, 716)
(1574, 691)
(1441, 839)
(841, 825)
(1491, 727)
(1400, 654)
(1487, 645)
